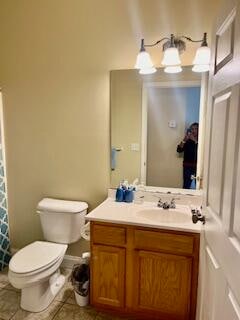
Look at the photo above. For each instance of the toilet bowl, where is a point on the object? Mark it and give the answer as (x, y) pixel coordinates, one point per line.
(35, 268)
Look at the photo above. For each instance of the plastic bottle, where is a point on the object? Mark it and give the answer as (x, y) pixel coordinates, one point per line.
(129, 195)
(120, 194)
(139, 194)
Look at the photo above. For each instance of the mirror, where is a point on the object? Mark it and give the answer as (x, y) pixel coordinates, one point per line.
(151, 134)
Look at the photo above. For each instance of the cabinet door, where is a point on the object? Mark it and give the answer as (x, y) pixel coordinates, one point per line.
(162, 284)
(108, 275)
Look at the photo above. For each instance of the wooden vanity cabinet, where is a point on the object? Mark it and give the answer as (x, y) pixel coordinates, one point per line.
(143, 272)
(108, 265)
(109, 275)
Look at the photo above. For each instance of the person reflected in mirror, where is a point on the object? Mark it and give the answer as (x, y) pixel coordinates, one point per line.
(189, 146)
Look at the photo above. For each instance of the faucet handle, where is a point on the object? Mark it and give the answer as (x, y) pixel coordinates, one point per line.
(196, 211)
(172, 203)
(196, 217)
(160, 203)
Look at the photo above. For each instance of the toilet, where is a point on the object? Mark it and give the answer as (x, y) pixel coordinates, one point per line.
(35, 268)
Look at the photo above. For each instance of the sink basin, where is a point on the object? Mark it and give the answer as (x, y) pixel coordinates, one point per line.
(165, 216)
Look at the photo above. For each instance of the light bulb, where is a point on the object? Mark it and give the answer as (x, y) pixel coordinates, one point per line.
(143, 61)
(173, 69)
(202, 56)
(147, 70)
(200, 67)
(171, 57)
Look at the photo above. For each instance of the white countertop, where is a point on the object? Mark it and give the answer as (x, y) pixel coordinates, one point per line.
(146, 214)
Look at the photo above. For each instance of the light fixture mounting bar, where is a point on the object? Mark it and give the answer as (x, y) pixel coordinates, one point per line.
(203, 40)
(157, 42)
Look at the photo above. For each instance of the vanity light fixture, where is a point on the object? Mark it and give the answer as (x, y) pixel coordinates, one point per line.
(172, 48)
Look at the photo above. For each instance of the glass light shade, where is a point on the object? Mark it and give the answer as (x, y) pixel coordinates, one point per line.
(200, 67)
(171, 57)
(173, 69)
(147, 70)
(143, 61)
(202, 56)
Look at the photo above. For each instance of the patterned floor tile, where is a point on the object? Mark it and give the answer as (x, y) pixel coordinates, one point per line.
(4, 282)
(66, 291)
(71, 299)
(74, 312)
(10, 287)
(103, 316)
(9, 303)
(58, 310)
(47, 314)
(4, 278)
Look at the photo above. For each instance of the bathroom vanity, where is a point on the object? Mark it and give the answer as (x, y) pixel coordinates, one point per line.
(144, 265)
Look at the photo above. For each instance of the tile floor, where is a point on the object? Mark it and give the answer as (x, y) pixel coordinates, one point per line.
(63, 307)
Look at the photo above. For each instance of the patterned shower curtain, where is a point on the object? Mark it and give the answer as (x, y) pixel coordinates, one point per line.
(4, 229)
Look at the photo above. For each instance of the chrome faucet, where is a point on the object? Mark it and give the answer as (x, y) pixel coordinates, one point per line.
(172, 204)
(160, 203)
(198, 216)
(165, 205)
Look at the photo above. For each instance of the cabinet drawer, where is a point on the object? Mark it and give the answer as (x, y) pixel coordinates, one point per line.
(163, 241)
(108, 235)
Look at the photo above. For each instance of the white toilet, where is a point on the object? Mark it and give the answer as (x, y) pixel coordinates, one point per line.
(35, 268)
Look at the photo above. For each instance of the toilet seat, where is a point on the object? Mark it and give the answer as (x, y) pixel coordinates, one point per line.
(35, 270)
(36, 257)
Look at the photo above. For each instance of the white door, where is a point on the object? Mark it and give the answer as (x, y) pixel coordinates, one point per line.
(220, 287)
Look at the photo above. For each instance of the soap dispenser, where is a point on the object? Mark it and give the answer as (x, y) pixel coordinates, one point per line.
(129, 195)
(120, 193)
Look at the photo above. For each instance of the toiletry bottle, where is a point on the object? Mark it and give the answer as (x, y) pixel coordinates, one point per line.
(139, 194)
(120, 194)
(125, 185)
(129, 195)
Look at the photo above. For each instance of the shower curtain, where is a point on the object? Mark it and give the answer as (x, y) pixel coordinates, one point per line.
(4, 228)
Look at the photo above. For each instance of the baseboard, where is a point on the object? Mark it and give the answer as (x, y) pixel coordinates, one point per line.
(69, 261)
(13, 251)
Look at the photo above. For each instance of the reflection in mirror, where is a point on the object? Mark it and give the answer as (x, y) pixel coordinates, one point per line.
(171, 140)
(152, 136)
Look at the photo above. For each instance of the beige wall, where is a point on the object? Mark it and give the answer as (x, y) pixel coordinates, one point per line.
(126, 122)
(55, 60)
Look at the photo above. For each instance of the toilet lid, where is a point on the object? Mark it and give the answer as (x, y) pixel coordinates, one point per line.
(61, 206)
(35, 256)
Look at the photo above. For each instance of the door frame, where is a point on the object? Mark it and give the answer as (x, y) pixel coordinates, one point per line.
(203, 83)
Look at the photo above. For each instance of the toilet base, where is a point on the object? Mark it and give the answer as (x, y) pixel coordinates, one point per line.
(38, 297)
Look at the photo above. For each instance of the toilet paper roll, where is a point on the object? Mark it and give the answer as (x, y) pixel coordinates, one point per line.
(85, 231)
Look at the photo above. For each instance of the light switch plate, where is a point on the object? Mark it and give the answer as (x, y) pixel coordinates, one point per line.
(135, 147)
(172, 124)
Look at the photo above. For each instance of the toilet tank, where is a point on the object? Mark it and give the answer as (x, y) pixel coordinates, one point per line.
(62, 220)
